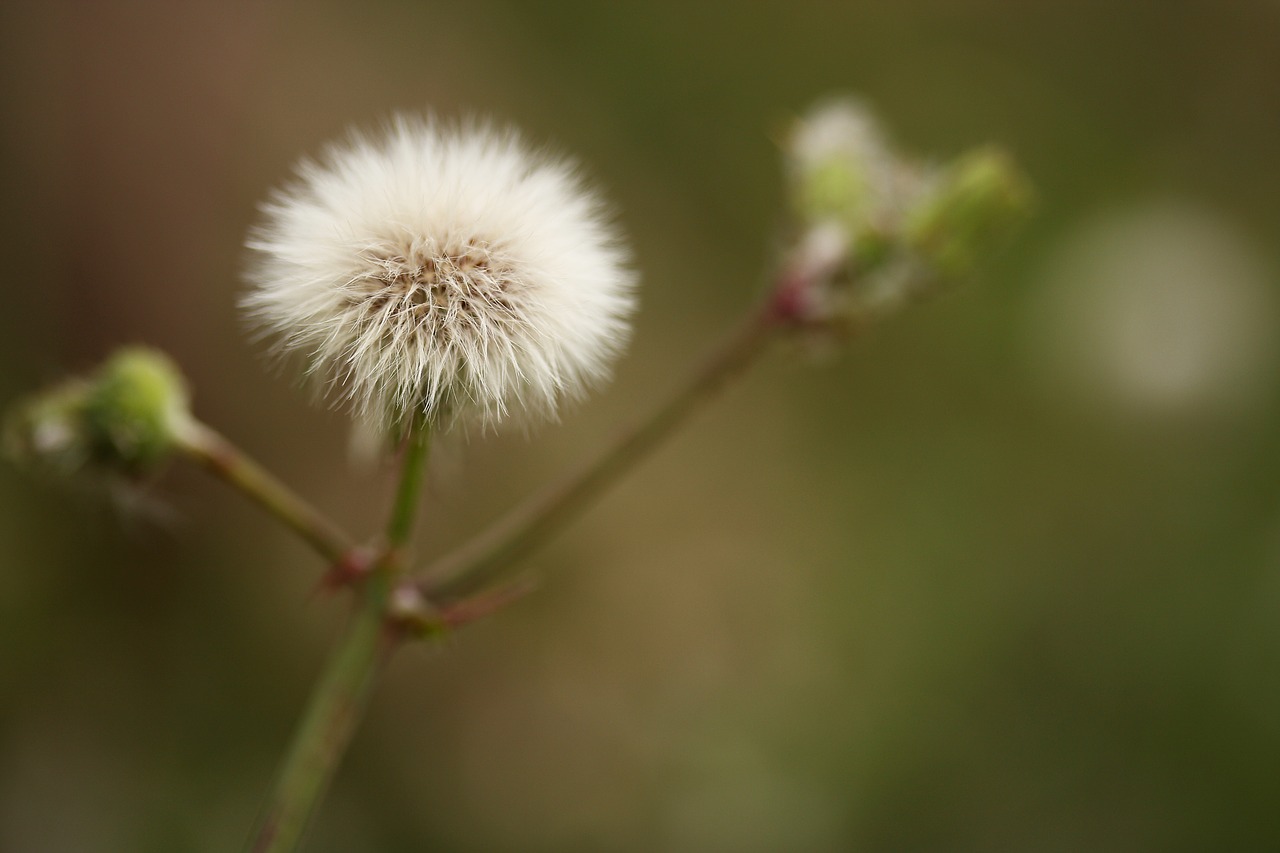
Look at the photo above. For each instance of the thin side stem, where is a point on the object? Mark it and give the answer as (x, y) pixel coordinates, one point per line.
(343, 692)
(479, 561)
(219, 456)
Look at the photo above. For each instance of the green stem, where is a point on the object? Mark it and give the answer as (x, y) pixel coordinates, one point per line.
(417, 448)
(330, 720)
(340, 698)
(224, 459)
(479, 561)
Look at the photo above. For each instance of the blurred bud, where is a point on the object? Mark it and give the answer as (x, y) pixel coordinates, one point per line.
(957, 222)
(126, 418)
(137, 409)
(49, 431)
(840, 166)
(874, 228)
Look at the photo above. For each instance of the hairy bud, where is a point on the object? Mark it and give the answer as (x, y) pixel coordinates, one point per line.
(126, 418)
(968, 211)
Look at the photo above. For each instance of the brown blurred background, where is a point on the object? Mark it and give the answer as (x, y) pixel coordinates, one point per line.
(1005, 575)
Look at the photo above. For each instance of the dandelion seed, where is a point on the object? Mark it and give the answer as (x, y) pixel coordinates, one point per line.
(447, 271)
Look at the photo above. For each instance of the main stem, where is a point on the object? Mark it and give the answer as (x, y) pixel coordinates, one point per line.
(413, 475)
(329, 722)
(340, 697)
(524, 528)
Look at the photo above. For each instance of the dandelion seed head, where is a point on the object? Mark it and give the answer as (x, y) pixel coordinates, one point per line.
(447, 270)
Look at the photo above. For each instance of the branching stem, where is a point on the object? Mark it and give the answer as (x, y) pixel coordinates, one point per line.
(340, 698)
(461, 582)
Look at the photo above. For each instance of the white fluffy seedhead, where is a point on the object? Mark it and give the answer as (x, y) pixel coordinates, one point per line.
(446, 270)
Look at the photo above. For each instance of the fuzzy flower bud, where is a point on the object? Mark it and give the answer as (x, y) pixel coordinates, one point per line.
(971, 207)
(849, 189)
(843, 171)
(874, 228)
(127, 418)
(137, 409)
(445, 272)
(840, 165)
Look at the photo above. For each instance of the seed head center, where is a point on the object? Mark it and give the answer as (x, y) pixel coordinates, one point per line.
(436, 288)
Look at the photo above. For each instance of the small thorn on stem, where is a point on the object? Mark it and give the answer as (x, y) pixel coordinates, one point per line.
(351, 568)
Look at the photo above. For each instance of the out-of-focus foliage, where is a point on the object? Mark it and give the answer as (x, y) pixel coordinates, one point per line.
(1005, 576)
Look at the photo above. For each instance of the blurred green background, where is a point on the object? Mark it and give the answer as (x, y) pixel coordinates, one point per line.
(1005, 575)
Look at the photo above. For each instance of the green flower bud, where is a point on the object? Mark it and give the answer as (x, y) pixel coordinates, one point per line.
(973, 205)
(136, 409)
(841, 169)
(126, 418)
(836, 189)
(875, 229)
